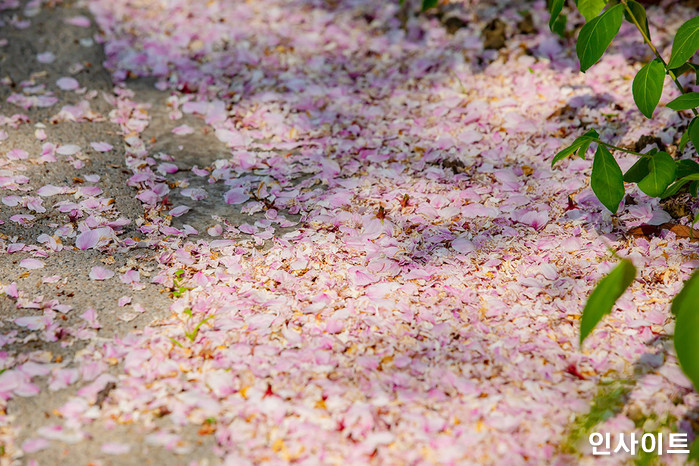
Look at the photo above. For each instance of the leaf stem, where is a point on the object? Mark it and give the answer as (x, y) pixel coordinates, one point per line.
(611, 146)
(647, 40)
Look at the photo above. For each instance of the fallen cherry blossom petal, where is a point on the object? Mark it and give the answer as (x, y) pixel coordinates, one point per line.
(68, 149)
(179, 211)
(183, 130)
(100, 273)
(235, 196)
(33, 445)
(31, 264)
(67, 83)
(115, 448)
(46, 57)
(17, 154)
(101, 147)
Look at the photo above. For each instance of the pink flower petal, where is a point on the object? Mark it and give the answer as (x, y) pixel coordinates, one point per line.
(67, 83)
(215, 230)
(68, 149)
(11, 290)
(79, 20)
(35, 444)
(31, 322)
(165, 167)
(17, 154)
(115, 448)
(462, 245)
(130, 276)
(236, 196)
(31, 264)
(101, 146)
(179, 210)
(90, 316)
(91, 238)
(100, 273)
(536, 220)
(182, 130)
(45, 57)
(49, 190)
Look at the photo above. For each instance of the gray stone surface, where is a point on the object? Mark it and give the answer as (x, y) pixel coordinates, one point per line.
(48, 32)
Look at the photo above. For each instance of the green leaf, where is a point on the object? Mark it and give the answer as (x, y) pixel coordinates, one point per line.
(693, 452)
(590, 8)
(427, 4)
(685, 101)
(555, 8)
(566, 152)
(638, 171)
(595, 36)
(583, 148)
(559, 27)
(685, 307)
(639, 14)
(578, 146)
(685, 67)
(683, 141)
(648, 87)
(675, 188)
(693, 131)
(607, 180)
(685, 43)
(693, 189)
(686, 167)
(662, 172)
(605, 294)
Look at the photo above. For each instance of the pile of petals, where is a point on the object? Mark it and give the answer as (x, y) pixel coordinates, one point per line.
(409, 285)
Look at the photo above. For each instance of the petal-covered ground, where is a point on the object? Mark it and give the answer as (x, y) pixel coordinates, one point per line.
(350, 212)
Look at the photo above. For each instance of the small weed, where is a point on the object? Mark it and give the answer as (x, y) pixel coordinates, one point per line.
(608, 402)
(178, 288)
(192, 334)
(175, 342)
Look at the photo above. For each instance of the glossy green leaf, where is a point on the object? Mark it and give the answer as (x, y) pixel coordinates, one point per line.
(685, 101)
(683, 68)
(693, 188)
(590, 8)
(559, 26)
(685, 307)
(685, 44)
(578, 146)
(693, 131)
(687, 67)
(693, 452)
(595, 36)
(566, 152)
(662, 172)
(638, 171)
(674, 188)
(683, 140)
(677, 185)
(427, 4)
(583, 148)
(555, 8)
(648, 87)
(605, 294)
(686, 167)
(607, 181)
(637, 15)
